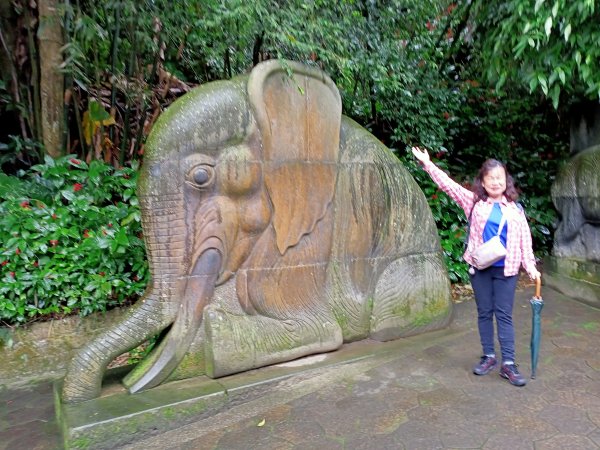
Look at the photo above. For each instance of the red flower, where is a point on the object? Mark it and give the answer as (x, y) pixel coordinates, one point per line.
(12, 274)
(434, 197)
(54, 216)
(77, 187)
(25, 204)
(430, 26)
(135, 278)
(53, 242)
(446, 115)
(17, 251)
(101, 274)
(4, 263)
(110, 225)
(75, 161)
(86, 234)
(36, 264)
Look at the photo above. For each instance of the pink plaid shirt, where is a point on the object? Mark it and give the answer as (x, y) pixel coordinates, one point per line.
(518, 240)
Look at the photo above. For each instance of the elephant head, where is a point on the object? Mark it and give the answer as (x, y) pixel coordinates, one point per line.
(274, 228)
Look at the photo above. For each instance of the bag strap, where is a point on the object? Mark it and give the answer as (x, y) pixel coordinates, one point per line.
(500, 226)
(502, 222)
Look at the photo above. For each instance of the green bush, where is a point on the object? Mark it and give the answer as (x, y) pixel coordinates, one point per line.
(71, 240)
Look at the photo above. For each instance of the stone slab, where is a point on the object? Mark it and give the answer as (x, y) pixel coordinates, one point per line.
(117, 418)
(577, 279)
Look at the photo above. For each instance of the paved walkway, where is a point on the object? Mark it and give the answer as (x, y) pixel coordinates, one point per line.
(420, 394)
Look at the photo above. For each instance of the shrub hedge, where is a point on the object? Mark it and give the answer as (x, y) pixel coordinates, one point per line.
(70, 240)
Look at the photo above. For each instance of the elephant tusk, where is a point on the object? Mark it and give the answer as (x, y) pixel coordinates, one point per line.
(198, 292)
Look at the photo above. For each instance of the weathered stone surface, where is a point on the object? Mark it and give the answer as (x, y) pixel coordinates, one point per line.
(43, 350)
(275, 228)
(576, 195)
(578, 279)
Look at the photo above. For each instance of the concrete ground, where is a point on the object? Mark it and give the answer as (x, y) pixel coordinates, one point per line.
(418, 393)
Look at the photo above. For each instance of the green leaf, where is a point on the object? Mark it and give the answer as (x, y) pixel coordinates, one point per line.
(543, 83)
(68, 194)
(501, 81)
(121, 237)
(102, 242)
(97, 112)
(548, 26)
(567, 32)
(134, 216)
(554, 95)
(538, 4)
(561, 75)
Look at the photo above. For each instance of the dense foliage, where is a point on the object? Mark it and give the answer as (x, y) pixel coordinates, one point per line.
(529, 138)
(549, 46)
(70, 240)
(391, 62)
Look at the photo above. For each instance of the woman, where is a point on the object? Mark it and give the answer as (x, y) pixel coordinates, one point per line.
(492, 200)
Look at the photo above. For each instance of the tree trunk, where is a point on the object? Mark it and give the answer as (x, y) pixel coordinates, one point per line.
(50, 41)
(7, 27)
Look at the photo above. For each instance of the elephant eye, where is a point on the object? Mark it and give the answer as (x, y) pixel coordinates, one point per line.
(201, 176)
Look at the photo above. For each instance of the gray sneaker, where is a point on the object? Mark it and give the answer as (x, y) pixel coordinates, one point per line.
(511, 373)
(485, 366)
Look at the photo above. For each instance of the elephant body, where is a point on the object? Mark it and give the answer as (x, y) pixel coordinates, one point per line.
(576, 195)
(275, 228)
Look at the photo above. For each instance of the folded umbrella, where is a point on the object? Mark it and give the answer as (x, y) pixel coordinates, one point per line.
(536, 325)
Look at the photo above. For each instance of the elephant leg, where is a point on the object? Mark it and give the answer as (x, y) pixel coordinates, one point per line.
(412, 295)
(83, 380)
(591, 238)
(568, 240)
(236, 343)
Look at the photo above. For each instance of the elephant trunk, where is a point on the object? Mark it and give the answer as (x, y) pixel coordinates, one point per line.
(165, 242)
(199, 289)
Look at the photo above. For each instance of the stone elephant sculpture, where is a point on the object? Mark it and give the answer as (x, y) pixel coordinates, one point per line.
(576, 195)
(275, 228)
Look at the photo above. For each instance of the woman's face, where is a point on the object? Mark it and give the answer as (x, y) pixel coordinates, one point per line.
(494, 183)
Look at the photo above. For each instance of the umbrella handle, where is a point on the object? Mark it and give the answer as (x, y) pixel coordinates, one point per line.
(538, 287)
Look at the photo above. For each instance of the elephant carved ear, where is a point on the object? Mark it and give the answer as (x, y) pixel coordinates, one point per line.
(298, 112)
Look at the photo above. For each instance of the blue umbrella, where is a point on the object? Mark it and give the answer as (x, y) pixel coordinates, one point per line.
(536, 325)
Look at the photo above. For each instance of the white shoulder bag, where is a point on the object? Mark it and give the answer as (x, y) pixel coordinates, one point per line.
(491, 251)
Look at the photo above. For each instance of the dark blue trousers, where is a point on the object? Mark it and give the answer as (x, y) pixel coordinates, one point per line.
(495, 296)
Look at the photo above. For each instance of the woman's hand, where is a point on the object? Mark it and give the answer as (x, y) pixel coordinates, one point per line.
(420, 154)
(534, 275)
